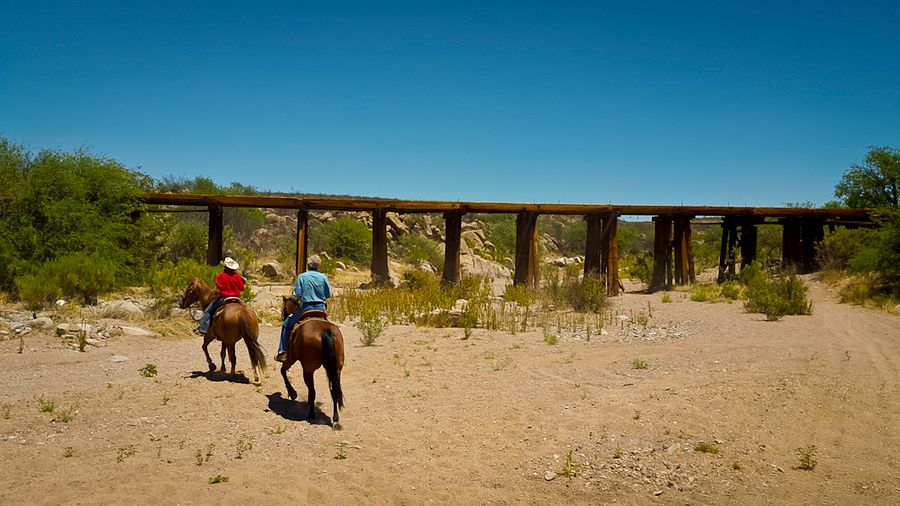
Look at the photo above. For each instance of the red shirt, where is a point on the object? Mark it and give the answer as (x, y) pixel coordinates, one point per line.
(229, 285)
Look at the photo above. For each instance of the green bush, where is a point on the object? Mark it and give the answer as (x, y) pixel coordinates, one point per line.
(186, 241)
(371, 324)
(344, 238)
(415, 248)
(640, 267)
(776, 295)
(77, 275)
(587, 295)
(705, 293)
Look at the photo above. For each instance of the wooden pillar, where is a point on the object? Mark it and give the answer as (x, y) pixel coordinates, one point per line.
(684, 259)
(749, 235)
(593, 248)
(215, 243)
(610, 241)
(379, 266)
(790, 243)
(812, 231)
(727, 253)
(526, 249)
(662, 241)
(453, 221)
(302, 241)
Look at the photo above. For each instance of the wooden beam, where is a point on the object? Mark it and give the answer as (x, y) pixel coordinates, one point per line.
(727, 250)
(593, 247)
(379, 267)
(526, 249)
(453, 222)
(333, 203)
(215, 243)
(302, 241)
(662, 248)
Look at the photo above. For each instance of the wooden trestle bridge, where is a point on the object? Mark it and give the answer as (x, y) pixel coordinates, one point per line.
(803, 229)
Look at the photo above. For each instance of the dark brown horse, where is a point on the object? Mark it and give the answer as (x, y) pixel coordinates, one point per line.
(315, 342)
(235, 322)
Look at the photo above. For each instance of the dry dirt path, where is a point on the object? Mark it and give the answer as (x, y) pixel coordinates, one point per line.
(431, 418)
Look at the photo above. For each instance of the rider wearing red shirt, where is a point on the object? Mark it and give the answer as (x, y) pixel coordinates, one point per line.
(229, 284)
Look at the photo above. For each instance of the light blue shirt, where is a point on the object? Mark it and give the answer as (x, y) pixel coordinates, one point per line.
(312, 288)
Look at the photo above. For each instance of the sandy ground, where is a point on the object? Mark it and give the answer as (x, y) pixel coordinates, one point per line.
(496, 419)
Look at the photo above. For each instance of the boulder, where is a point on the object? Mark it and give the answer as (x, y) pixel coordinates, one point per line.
(42, 322)
(125, 306)
(395, 223)
(74, 328)
(272, 270)
(474, 238)
(426, 266)
(136, 331)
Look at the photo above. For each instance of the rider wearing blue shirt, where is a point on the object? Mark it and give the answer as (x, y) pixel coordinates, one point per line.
(311, 290)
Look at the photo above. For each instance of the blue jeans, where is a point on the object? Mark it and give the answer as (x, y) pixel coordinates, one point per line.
(210, 310)
(292, 320)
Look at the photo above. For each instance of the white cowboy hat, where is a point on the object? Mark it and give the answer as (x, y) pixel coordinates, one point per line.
(231, 264)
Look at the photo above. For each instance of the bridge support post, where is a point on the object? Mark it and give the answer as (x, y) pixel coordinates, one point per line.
(379, 267)
(453, 222)
(214, 250)
(812, 231)
(684, 253)
(593, 247)
(302, 241)
(726, 253)
(790, 243)
(610, 246)
(526, 249)
(662, 258)
(749, 239)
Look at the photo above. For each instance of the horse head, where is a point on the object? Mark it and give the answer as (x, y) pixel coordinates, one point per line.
(192, 294)
(289, 304)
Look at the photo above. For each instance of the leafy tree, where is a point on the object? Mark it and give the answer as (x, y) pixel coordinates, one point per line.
(875, 183)
(55, 204)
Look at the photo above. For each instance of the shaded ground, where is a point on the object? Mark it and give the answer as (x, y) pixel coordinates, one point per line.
(431, 418)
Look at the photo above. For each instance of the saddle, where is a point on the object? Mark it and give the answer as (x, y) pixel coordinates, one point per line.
(228, 300)
(310, 315)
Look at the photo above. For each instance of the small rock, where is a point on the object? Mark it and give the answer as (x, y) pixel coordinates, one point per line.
(549, 476)
(657, 492)
(117, 358)
(136, 331)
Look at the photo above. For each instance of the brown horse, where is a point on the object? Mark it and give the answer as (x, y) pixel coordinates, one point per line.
(315, 342)
(236, 321)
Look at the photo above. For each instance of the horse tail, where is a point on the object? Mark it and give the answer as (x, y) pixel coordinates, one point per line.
(329, 361)
(251, 335)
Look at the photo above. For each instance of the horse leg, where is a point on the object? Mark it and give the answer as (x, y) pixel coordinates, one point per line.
(232, 357)
(336, 422)
(287, 383)
(206, 340)
(308, 379)
(222, 353)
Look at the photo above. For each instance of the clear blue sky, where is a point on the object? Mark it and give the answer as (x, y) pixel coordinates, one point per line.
(740, 103)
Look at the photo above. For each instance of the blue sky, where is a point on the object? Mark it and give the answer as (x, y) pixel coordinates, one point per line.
(719, 103)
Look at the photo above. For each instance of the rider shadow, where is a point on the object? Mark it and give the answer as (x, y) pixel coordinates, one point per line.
(218, 375)
(296, 410)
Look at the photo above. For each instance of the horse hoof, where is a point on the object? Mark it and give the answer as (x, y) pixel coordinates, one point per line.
(337, 426)
(212, 368)
(292, 395)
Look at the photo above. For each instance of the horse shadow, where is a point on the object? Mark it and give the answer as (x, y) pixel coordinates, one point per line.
(296, 410)
(219, 375)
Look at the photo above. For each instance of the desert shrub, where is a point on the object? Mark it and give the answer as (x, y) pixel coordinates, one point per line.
(344, 238)
(171, 278)
(186, 241)
(640, 266)
(731, 290)
(500, 229)
(75, 275)
(520, 294)
(587, 295)
(776, 295)
(415, 248)
(705, 293)
(371, 324)
(706, 242)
